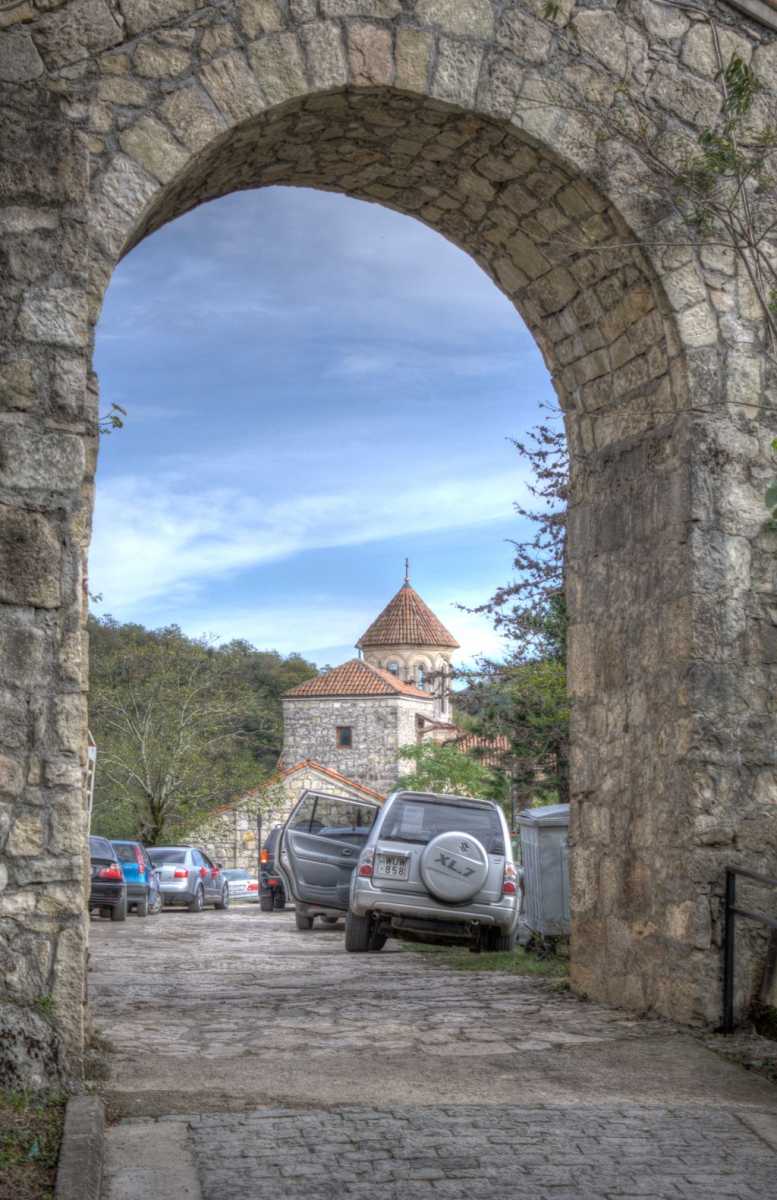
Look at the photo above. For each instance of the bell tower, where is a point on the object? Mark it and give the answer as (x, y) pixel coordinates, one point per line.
(408, 640)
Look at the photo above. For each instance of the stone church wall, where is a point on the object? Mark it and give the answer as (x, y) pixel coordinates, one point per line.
(380, 726)
(433, 661)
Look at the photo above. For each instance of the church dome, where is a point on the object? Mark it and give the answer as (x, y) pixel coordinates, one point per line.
(407, 621)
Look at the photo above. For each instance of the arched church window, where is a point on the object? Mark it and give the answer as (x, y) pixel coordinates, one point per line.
(420, 676)
(393, 667)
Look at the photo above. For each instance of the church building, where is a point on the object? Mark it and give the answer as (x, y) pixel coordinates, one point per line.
(354, 718)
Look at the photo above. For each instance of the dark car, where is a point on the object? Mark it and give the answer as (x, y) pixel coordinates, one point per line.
(272, 893)
(187, 876)
(140, 876)
(108, 891)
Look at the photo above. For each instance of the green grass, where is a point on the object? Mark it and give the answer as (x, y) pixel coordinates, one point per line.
(509, 962)
(30, 1135)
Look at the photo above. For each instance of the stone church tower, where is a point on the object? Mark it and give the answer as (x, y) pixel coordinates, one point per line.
(355, 718)
(408, 640)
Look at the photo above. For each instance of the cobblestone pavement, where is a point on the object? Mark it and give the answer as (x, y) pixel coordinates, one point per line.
(242, 1040)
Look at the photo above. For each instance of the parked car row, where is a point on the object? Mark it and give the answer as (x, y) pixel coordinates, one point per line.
(127, 875)
(421, 867)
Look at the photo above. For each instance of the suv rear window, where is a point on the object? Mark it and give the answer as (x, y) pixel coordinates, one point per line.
(416, 820)
(158, 857)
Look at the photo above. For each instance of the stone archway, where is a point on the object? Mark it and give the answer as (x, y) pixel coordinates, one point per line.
(119, 117)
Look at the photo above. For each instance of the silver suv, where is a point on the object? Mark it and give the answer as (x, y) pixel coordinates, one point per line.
(426, 867)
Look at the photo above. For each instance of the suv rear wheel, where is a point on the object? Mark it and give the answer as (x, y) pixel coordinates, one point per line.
(266, 903)
(358, 933)
(496, 939)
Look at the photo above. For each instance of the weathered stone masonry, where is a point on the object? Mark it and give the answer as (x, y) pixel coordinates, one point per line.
(117, 116)
(379, 727)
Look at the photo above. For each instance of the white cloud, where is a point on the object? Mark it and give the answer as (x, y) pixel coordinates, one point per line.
(155, 541)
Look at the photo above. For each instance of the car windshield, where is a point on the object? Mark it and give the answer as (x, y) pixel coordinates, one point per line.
(416, 820)
(167, 856)
(235, 873)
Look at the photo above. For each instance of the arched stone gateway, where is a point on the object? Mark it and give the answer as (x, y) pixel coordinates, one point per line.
(119, 115)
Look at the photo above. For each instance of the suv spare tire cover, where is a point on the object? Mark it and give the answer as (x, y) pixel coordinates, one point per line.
(454, 866)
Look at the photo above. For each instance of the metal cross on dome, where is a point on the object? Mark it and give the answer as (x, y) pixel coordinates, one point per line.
(407, 571)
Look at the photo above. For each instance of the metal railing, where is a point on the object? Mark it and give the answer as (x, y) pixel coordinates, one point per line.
(731, 912)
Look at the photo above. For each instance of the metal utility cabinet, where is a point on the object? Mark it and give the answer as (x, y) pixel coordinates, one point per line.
(545, 859)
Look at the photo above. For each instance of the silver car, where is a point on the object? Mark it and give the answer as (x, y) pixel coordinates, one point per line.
(425, 867)
(242, 884)
(187, 876)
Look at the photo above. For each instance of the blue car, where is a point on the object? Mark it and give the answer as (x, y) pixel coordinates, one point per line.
(141, 877)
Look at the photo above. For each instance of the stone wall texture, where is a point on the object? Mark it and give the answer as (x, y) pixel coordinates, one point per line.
(379, 725)
(408, 660)
(118, 115)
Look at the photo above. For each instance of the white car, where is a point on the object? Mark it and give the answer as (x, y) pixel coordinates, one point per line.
(242, 884)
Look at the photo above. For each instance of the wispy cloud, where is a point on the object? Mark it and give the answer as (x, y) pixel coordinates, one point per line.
(164, 541)
(319, 627)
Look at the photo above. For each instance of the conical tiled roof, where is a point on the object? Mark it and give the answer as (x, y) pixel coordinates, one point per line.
(407, 621)
(356, 678)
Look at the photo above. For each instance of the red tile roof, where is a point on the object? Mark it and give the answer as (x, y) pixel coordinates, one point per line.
(407, 621)
(356, 678)
(492, 752)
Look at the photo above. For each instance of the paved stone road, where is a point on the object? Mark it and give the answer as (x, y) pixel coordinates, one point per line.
(250, 1057)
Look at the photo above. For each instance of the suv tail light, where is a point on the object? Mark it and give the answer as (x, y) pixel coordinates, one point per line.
(110, 873)
(365, 864)
(264, 856)
(180, 873)
(508, 880)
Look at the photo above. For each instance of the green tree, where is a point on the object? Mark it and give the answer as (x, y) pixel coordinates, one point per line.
(181, 725)
(443, 767)
(524, 696)
(527, 703)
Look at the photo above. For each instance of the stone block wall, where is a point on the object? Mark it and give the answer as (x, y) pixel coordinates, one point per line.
(118, 115)
(380, 725)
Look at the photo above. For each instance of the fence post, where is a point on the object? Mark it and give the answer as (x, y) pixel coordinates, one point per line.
(729, 933)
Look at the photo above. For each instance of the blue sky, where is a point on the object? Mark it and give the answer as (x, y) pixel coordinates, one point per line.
(316, 387)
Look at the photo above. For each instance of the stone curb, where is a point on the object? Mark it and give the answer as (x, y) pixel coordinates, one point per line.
(761, 1123)
(80, 1169)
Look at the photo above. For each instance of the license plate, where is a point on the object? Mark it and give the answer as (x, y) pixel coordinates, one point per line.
(392, 866)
